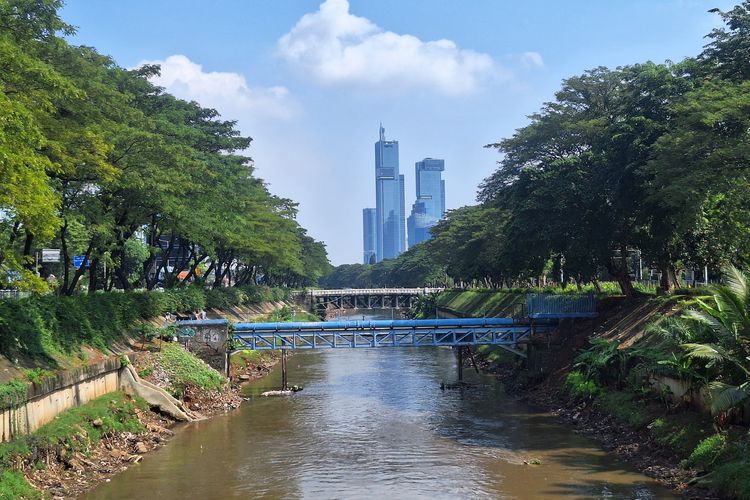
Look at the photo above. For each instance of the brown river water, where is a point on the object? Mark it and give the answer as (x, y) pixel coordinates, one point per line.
(373, 423)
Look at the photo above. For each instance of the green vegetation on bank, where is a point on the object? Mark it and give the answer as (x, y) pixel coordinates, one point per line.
(481, 302)
(74, 431)
(38, 328)
(99, 162)
(704, 350)
(184, 369)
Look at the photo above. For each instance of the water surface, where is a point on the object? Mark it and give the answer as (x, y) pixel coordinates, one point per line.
(373, 423)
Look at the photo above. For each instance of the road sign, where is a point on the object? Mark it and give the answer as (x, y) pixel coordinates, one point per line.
(78, 260)
(50, 255)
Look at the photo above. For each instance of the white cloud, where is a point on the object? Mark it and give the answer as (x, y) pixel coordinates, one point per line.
(335, 46)
(227, 92)
(532, 60)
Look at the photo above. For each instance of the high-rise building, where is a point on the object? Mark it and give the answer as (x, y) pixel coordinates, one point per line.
(389, 200)
(430, 205)
(369, 236)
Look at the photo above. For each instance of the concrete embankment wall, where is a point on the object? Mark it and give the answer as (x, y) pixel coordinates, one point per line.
(68, 389)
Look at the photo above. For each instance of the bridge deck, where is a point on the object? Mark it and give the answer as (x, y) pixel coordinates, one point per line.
(378, 333)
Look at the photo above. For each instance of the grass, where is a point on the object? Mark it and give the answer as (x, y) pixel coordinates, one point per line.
(497, 355)
(626, 407)
(681, 432)
(248, 357)
(731, 479)
(38, 375)
(13, 486)
(184, 369)
(481, 302)
(72, 430)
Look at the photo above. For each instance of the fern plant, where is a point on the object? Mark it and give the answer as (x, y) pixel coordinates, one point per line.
(727, 315)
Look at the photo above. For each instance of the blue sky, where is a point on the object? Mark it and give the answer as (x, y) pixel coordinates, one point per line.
(310, 81)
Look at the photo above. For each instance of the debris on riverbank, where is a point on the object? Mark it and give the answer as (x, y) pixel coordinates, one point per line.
(82, 447)
(90, 444)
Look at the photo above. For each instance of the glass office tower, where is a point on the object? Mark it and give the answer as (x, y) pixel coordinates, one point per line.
(429, 207)
(369, 236)
(389, 200)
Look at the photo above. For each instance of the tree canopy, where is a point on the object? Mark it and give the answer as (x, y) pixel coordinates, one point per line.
(97, 161)
(642, 163)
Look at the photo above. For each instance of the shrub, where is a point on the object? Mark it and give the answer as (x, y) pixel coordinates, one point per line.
(11, 393)
(580, 388)
(707, 452)
(731, 480)
(40, 327)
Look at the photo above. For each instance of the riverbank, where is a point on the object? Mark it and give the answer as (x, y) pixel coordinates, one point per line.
(89, 445)
(54, 345)
(612, 428)
(610, 380)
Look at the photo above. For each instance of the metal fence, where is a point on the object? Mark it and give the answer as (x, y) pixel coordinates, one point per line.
(12, 294)
(541, 305)
(375, 291)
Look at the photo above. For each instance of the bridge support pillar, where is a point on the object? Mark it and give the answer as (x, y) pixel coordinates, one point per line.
(460, 356)
(284, 380)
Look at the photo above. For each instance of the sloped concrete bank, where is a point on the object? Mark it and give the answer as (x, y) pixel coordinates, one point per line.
(67, 389)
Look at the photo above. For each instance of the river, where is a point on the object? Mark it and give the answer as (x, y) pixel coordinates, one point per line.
(373, 423)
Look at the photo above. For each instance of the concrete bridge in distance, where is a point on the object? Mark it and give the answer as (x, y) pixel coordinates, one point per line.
(367, 298)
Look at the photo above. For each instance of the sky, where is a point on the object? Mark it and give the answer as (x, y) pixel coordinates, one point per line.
(311, 81)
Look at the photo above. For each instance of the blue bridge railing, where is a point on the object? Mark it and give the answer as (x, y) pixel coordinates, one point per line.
(381, 333)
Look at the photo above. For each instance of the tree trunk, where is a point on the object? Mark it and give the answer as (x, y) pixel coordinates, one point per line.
(92, 275)
(66, 257)
(11, 240)
(668, 282)
(27, 247)
(79, 272)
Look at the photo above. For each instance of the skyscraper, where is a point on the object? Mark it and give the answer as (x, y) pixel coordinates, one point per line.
(389, 200)
(429, 207)
(369, 236)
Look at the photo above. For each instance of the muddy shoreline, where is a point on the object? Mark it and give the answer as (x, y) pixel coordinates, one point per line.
(73, 475)
(635, 447)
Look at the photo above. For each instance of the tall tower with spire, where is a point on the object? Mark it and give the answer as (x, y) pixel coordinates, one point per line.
(390, 214)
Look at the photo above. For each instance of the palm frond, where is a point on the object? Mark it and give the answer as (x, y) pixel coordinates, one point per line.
(706, 318)
(711, 352)
(737, 283)
(725, 396)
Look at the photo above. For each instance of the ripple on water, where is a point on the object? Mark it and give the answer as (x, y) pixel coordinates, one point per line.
(374, 424)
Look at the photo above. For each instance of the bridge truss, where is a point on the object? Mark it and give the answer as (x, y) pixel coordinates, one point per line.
(370, 334)
(367, 298)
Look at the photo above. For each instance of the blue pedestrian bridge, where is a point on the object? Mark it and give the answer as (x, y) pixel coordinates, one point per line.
(376, 333)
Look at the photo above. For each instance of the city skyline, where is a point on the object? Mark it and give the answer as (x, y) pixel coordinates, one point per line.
(308, 73)
(429, 206)
(390, 218)
(384, 235)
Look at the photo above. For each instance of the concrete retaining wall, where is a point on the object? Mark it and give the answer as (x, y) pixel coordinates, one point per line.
(68, 389)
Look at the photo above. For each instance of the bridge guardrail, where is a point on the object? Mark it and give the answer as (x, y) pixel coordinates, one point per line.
(375, 291)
